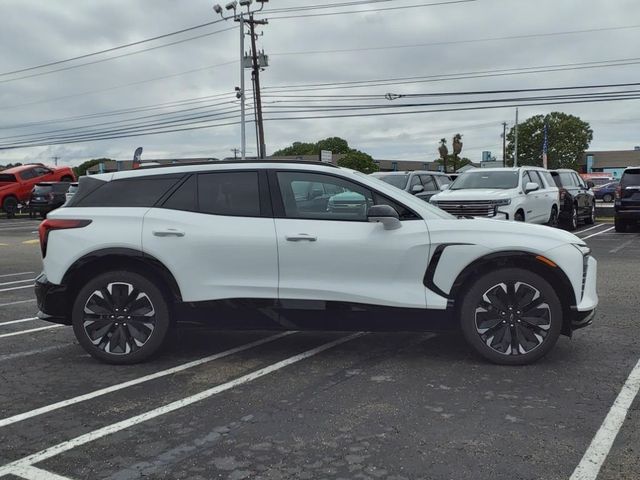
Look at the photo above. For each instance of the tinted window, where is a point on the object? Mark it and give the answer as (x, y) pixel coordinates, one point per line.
(28, 174)
(185, 197)
(134, 192)
(7, 177)
(532, 176)
(578, 180)
(479, 179)
(351, 203)
(229, 193)
(549, 178)
(40, 171)
(415, 180)
(630, 177)
(399, 181)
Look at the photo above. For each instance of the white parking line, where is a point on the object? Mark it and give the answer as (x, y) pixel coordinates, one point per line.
(15, 288)
(32, 330)
(13, 282)
(156, 412)
(33, 473)
(15, 274)
(24, 227)
(22, 320)
(598, 233)
(17, 302)
(163, 373)
(28, 353)
(590, 228)
(620, 247)
(600, 446)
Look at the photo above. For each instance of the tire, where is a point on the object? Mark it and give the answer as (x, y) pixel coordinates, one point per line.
(487, 310)
(620, 225)
(108, 333)
(10, 206)
(553, 217)
(607, 198)
(572, 222)
(591, 219)
(519, 216)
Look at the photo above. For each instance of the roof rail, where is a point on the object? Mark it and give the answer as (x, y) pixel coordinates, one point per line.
(236, 162)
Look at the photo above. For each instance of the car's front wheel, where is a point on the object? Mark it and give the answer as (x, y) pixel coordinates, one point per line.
(120, 317)
(591, 219)
(511, 316)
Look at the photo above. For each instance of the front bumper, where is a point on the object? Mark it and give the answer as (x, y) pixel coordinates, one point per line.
(53, 302)
(585, 311)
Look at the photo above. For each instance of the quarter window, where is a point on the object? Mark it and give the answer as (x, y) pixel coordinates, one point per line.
(229, 193)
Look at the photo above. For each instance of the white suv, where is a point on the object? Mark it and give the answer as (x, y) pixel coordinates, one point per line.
(300, 245)
(524, 194)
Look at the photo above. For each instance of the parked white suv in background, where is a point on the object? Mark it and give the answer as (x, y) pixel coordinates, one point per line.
(300, 245)
(524, 194)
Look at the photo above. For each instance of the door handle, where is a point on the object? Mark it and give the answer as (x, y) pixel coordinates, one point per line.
(169, 232)
(301, 237)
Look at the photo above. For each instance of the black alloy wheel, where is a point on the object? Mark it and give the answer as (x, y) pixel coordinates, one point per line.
(572, 221)
(10, 206)
(553, 218)
(120, 317)
(591, 218)
(511, 316)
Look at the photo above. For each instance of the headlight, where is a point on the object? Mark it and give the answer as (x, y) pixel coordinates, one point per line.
(505, 201)
(583, 248)
(433, 202)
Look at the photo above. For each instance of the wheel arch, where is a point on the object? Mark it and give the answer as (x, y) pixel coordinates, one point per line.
(108, 259)
(527, 261)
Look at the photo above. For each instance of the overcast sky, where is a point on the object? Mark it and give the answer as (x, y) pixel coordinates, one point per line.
(41, 31)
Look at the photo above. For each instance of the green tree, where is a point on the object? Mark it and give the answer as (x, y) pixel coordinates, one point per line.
(333, 144)
(10, 165)
(567, 139)
(360, 161)
(81, 169)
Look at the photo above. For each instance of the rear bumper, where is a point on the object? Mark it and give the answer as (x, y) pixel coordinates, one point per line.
(53, 304)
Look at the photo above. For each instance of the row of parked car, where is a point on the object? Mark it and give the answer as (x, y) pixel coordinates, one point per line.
(35, 188)
(525, 194)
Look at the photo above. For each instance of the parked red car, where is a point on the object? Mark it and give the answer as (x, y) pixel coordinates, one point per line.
(16, 183)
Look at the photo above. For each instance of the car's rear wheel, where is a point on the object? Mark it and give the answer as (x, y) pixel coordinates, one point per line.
(620, 225)
(10, 206)
(120, 317)
(591, 219)
(519, 216)
(572, 221)
(607, 198)
(511, 316)
(553, 218)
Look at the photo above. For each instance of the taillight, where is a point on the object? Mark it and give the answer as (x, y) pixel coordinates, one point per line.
(618, 192)
(563, 193)
(56, 224)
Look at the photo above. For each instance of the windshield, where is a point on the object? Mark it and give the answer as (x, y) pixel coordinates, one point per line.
(631, 177)
(7, 177)
(499, 180)
(399, 181)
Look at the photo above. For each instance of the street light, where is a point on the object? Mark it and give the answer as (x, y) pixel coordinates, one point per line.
(245, 3)
(218, 9)
(231, 5)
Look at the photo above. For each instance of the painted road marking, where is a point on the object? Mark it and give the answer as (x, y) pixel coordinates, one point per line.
(597, 452)
(25, 227)
(17, 302)
(170, 407)
(15, 274)
(27, 353)
(11, 322)
(32, 330)
(16, 288)
(620, 247)
(32, 473)
(17, 281)
(31, 242)
(598, 233)
(163, 373)
(590, 228)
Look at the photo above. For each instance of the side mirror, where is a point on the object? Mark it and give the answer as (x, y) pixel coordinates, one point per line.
(590, 184)
(386, 215)
(531, 187)
(417, 189)
(445, 187)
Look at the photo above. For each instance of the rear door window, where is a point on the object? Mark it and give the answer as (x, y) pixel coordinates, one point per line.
(28, 174)
(7, 177)
(229, 193)
(567, 180)
(129, 192)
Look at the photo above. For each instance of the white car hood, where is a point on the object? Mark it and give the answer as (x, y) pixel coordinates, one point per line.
(474, 194)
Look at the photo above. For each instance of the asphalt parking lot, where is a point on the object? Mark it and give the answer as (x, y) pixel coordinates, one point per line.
(263, 405)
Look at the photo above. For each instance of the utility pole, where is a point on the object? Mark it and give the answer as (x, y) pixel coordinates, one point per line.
(55, 160)
(239, 17)
(504, 144)
(515, 149)
(235, 153)
(256, 83)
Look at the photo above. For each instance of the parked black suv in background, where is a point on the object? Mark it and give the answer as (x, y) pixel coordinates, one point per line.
(577, 201)
(47, 196)
(627, 203)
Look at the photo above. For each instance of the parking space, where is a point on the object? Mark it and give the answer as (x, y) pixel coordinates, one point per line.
(303, 405)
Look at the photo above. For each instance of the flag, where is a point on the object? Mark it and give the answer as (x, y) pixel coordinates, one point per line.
(545, 145)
